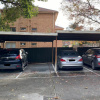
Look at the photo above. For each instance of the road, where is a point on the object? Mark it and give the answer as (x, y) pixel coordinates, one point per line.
(40, 82)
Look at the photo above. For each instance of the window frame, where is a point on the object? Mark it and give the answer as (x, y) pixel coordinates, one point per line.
(12, 30)
(23, 28)
(22, 43)
(33, 43)
(34, 30)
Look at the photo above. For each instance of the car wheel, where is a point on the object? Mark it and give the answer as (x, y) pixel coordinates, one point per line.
(22, 67)
(93, 66)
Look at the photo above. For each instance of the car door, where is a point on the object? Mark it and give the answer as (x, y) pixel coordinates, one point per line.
(90, 56)
(85, 56)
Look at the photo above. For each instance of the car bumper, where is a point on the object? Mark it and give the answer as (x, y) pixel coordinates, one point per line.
(10, 66)
(72, 65)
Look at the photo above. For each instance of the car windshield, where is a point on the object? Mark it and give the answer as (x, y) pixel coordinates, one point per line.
(69, 53)
(9, 51)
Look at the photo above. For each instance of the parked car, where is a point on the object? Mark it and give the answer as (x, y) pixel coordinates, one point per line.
(92, 57)
(69, 59)
(13, 59)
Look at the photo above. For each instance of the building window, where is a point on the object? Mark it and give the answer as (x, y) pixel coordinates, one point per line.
(10, 45)
(23, 29)
(22, 44)
(13, 29)
(33, 43)
(34, 29)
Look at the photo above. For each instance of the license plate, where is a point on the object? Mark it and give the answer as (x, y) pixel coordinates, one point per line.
(71, 59)
(7, 64)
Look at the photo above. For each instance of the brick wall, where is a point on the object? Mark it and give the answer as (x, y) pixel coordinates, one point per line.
(43, 22)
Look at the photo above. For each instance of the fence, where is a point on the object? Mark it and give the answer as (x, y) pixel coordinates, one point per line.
(42, 55)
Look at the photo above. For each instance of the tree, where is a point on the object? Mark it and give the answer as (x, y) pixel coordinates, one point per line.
(83, 12)
(3, 26)
(76, 26)
(16, 8)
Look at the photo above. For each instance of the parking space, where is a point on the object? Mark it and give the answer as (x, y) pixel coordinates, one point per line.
(38, 70)
(39, 81)
(42, 70)
(87, 71)
(32, 70)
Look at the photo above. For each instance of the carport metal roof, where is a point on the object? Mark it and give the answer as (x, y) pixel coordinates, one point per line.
(78, 35)
(49, 37)
(27, 36)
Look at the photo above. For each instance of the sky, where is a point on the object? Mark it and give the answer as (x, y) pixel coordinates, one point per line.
(62, 20)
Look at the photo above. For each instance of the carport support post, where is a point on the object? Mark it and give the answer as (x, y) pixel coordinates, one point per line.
(52, 52)
(99, 43)
(3, 45)
(56, 55)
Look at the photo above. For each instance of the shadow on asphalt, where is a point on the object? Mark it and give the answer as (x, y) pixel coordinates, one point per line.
(89, 67)
(72, 69)
(9, 70)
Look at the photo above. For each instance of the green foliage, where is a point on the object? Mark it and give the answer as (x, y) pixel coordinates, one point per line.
(14, 9)
(3, 25)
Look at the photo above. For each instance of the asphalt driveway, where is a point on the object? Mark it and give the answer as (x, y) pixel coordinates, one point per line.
(40, 82)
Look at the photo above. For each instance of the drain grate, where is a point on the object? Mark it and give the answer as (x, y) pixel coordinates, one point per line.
(50, 98)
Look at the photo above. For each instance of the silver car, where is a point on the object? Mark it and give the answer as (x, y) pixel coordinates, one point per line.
(69, 59)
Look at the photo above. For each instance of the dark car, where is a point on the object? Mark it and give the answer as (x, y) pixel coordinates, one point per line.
(69, 59)
(13, 59)
(92, 57)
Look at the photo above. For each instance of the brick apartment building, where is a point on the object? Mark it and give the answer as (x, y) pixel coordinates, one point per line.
(44, 22)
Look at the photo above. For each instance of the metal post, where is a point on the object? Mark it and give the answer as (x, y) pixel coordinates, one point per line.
(56, 55)
(99, 43)
(3, 45)
(52, 52)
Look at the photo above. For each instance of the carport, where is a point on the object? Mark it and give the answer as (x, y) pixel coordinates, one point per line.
(30, 36)
(78, 35)
(50, 37)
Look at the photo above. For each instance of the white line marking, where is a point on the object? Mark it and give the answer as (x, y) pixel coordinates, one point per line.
(49, 77)
(55, 71)
(19, 75)
(92, 71)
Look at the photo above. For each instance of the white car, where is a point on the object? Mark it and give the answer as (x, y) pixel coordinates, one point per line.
(69, 59)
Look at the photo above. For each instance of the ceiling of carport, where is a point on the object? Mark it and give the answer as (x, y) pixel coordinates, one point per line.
(79, 35)
(27, 36)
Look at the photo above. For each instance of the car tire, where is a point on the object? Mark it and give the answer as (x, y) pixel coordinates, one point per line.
(93, 66)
